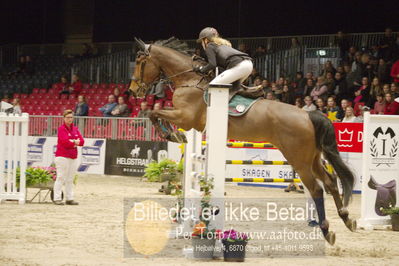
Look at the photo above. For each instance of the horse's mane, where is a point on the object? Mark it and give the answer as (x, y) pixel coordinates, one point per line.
(175, 44)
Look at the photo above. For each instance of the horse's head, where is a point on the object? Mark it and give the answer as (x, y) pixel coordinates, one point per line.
(146, 72)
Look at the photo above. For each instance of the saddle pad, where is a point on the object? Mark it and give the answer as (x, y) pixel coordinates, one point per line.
(238, 105)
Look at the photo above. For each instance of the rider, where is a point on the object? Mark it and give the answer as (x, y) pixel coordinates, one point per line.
(238, 65)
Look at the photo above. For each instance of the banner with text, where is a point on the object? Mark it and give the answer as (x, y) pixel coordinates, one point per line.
(130, 157)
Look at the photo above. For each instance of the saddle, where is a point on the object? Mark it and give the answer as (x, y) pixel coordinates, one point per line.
(247, 92)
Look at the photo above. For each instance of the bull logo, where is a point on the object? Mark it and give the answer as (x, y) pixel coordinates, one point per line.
(383, 147)
(386, 195)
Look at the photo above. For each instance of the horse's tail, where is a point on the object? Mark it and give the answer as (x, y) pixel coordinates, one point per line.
(326, 142)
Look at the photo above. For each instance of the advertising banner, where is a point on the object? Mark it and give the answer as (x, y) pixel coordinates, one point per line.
(380, 168)
(91, 157)
(130, 157)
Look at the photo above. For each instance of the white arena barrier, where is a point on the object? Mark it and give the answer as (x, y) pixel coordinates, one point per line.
(13, 154)
(380, 173)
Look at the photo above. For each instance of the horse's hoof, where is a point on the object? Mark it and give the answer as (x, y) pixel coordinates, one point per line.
(351, 225)
(330, 237)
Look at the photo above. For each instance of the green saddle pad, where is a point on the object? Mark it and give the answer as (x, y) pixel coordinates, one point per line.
(238, 105)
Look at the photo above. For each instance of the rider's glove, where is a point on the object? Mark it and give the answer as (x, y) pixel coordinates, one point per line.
(198, 69)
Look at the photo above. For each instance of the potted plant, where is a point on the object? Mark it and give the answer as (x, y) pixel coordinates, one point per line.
(161, 171)
(38, 177)
(203, 238)
(165, 171)
(234, 244)
(394, 213)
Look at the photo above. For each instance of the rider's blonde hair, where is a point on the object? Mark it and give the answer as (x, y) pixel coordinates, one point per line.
(220, 41)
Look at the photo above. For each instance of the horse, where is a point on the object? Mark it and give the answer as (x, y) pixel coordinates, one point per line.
(302, 137)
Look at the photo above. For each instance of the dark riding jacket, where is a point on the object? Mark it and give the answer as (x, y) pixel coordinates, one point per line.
(222, 56)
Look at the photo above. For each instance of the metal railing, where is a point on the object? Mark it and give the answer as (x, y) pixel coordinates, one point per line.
(273, 43)
(118, 128)
(282, 63)
(115, 67)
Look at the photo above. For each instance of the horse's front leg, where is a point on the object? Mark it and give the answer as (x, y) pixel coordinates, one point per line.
(165, 129)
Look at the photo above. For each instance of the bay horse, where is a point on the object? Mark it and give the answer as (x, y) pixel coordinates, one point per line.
(302, 137)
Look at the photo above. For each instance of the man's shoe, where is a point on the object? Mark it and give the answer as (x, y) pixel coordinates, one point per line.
(71, 202)
(58, 202)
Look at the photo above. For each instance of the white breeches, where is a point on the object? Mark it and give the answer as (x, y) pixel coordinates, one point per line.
(66, 169)
(239, 72)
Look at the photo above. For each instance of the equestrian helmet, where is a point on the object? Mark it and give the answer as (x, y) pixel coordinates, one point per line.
(207, 32)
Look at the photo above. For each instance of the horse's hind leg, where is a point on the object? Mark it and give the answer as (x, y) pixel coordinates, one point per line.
(316, 191)
(330, 183)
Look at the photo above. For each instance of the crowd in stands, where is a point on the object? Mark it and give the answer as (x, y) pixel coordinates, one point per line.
(364, 79)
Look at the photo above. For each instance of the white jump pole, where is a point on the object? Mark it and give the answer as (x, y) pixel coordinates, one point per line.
(14, 139)
(216, 137)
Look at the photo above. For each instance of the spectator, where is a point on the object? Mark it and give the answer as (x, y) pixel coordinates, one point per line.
(158, 90)
(250, 80)
(117, 93)
(386, 89)
(332, 109)
(321, 106)
(16, 107)
(299, 102)
(157, 107)
(308, 87)
(375, 90)
(320, 90)
(309, 106)
(309, 75)
(257, 81)
(340, 69)
(379, 105)
(121, 109)
(107, 108)
(360, 116)
(349, 115)
(295, 43)
(260, 51)
(395, 71)
(64, 86)
(144, 111)
(277, 91)
(394, 90)
(362, 94)
(328, 67)
(76, 86)
(287, 96)
(356, 61)
(270, 96)
(244, 48)
(266, 86)
(330, 82)
(300, 83)
(69, 138)
(387, 45)
(341, 90)
(87, 50)
(383, 71)
(391, 106)
(341, 111)
(342, 42)
(350, 57)
(81, 108)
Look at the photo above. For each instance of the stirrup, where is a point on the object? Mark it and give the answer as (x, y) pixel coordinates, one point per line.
(251, 89)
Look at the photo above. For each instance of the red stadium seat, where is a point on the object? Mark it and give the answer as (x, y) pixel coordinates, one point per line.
(168, 104)
(169, 93)
(139, 101)
(150, 99)
(72, 97)
(16, 95)
(43, 91)
(103, 86)
(35, 91)
(95, 86)
(64, 96)
(86, 86)
(24, 96)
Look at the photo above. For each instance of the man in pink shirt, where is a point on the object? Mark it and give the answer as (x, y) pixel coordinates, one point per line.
(69, 138)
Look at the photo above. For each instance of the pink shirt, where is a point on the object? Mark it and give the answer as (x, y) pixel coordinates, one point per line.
(66, 148)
